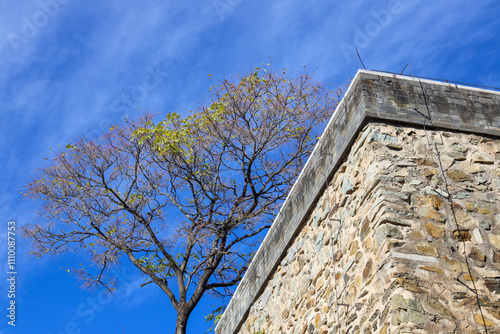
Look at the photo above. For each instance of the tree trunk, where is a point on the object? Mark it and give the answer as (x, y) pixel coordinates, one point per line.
(181, 323)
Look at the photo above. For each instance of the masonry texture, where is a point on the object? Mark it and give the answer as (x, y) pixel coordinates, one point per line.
(393, 225)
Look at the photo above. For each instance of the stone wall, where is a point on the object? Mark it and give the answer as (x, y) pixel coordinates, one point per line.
(392, 218)
(394, 245)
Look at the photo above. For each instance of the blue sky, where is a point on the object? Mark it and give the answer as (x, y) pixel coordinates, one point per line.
(70, 67)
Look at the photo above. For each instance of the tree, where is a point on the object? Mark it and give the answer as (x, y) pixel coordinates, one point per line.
(186, 199)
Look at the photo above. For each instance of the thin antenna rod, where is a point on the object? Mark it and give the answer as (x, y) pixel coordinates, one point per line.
(350, 76)
(360, 59)
(404, 68)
